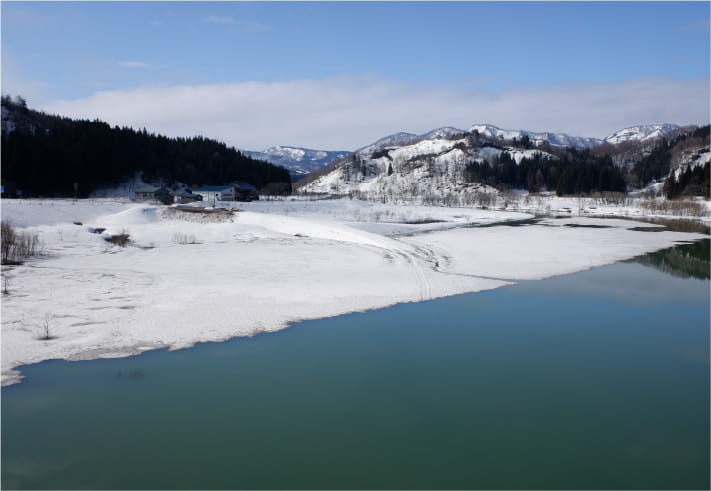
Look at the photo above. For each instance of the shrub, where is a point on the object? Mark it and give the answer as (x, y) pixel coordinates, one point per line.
(122, 239)
(181, 238)
(17, 246)
(673, 207)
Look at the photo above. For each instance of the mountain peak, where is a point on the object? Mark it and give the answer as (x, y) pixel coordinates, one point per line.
(299, 161)
(642, 132)
(444, 132)
(537, 138)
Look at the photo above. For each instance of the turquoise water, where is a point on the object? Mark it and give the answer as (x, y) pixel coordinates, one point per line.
(596, 380)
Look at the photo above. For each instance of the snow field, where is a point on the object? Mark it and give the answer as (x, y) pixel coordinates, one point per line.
(270, 264)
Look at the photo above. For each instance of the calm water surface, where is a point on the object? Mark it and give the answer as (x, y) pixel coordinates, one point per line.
(595, 380)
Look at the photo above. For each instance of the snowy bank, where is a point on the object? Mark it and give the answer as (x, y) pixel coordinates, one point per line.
(185, 281)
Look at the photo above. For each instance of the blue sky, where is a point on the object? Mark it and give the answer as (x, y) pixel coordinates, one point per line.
(339, 74)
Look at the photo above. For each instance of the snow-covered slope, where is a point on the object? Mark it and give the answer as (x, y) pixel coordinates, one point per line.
(537, 138)
(423, 168)
(299, 161)
(689, 156)
(390, 140)
(444, 132)
(487, 131)
(14, 119)
(642, 133)
(432, 167)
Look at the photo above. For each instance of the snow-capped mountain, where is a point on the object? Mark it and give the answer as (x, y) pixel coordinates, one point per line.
(485, 130)
(444, 132)
(537, 138)
(299, 161)
(427, 166)
(436, 165)
(394, 139)
(642, 133)
(433, 164)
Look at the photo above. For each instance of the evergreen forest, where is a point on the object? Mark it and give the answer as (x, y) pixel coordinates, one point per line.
(45, 155)
(577, 172)
(656, 165)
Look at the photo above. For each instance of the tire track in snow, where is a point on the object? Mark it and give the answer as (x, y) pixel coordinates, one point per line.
(417, 258)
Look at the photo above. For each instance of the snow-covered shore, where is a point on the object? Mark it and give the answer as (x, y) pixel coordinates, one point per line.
(191, 278)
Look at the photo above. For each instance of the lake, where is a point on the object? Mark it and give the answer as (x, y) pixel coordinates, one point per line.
(595, 380)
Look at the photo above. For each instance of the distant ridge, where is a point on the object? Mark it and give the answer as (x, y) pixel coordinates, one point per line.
(299, 161)
(450, 164)
(642, 132)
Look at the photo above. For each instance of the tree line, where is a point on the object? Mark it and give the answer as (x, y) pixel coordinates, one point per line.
(657, 163)
(694, 181)
(50, 153)
(577, 171)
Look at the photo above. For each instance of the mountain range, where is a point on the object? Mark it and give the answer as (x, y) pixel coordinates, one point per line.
(451, 162)
(445, 160)
(304, 161)
(639, 133)
(299, 161)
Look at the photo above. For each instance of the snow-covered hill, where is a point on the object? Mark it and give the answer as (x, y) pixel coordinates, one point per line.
(299, 161)
(642, 133)
(23, 120)
(433, 166)
(423, 168)
(488, 131)
(537, 138)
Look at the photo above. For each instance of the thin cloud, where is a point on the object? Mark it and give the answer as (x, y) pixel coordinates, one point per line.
(245, 25)
(16, 80)
(348, 112)
(216, 19)
(94, 83)
(133, 64)
(703, 25)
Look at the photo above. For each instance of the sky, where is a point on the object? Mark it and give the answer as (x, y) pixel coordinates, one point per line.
(340, 75)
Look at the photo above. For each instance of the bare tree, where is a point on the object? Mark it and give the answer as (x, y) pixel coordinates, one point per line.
(45, 326)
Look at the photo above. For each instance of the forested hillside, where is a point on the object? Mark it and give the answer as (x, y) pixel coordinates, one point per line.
(46, 155)
(447, 162)
(575, 172)
(684, 159)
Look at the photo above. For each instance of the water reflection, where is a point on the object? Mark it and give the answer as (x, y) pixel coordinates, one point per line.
(624, 282)
(676, 225)
(594, 380)
(683, 261)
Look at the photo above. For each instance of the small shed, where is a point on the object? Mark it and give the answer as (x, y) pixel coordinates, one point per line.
(216, 193)
(187, 198)
(244, 191)
(154, 193)
(146, 193)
